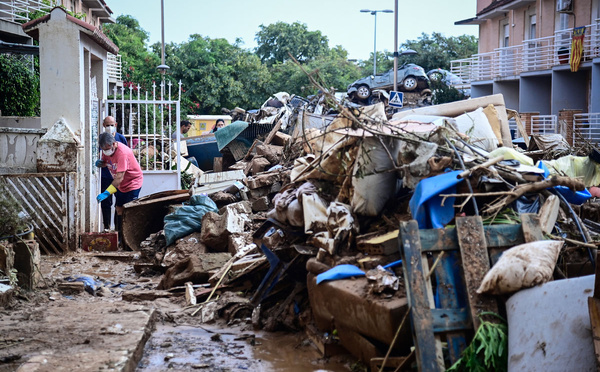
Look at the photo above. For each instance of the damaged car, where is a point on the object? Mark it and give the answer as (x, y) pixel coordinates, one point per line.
(411, 77)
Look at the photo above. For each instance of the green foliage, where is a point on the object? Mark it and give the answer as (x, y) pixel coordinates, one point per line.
(216, 74)
(385, 62)
(443, 93)
(276, 40)
(488, 351)
(19, 87)
(333, 69)
(139, 63)
(437, 51)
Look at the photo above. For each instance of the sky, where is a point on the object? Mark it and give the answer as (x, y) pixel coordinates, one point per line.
(340, 20)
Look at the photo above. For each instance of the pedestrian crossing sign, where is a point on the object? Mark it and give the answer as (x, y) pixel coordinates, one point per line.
(396, 99)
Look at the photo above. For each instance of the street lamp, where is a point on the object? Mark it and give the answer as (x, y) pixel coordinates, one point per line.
(163, 67)
(374, 12)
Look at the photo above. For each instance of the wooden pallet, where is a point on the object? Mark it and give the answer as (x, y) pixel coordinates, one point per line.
(470, 246)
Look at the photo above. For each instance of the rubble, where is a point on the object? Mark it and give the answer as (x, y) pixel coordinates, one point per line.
(312, 194)
(413, 203)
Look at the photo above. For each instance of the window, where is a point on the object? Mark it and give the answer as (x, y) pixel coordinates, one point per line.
(505, 35)
(532, 26)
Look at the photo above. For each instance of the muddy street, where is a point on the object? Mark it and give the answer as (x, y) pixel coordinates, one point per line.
(64, 326)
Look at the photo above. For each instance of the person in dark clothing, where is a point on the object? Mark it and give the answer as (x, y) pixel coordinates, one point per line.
(110, 126)
(218, 125)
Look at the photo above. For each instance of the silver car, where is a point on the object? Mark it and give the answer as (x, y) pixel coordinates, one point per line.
(410, 77)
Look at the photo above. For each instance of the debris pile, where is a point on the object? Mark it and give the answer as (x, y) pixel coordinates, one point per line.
(321, 195)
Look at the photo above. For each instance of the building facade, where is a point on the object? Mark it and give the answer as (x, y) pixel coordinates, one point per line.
(525, 48)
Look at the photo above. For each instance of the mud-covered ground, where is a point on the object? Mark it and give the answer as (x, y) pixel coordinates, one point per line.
(48, 317)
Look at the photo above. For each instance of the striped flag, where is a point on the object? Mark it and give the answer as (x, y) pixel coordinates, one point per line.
(576, 48)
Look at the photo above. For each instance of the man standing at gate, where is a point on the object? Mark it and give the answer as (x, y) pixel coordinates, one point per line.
(126, 172)
(110, 126)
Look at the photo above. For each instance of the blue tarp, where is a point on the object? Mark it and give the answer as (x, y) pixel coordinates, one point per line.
(188, 218)
(340, 272)
(426, 204)
(573, 197)
(228, 133)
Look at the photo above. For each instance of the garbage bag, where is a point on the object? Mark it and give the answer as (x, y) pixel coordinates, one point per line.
(188, 218)
(523, 266)
(526, 204)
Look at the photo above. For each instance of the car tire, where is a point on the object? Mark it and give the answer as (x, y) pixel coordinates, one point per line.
(363, 92)
(374, 99)
(410, 83)
(436, 76)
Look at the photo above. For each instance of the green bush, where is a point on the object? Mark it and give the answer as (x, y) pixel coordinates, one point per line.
(19, 87)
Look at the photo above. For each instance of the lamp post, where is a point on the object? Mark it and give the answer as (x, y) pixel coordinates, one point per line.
(163, 67)
(374, 12)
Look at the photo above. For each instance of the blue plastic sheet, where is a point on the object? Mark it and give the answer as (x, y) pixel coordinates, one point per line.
(228, 133)
(426, 204)
(573, 197)
(188, 218)
(340, 272)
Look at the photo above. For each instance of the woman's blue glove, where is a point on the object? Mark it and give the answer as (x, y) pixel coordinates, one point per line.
(99, 163)
(103, 196)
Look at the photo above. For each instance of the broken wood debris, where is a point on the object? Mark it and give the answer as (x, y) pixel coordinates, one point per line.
(312, 195)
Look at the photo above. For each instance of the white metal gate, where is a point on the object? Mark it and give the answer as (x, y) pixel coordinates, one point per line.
(151, 127)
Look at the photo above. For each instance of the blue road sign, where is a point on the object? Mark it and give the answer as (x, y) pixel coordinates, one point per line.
(396, 99)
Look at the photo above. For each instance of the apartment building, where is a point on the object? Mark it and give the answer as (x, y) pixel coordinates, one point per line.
(524, 53)
(13, 13)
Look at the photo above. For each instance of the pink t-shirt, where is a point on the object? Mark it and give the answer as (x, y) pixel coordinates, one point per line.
(123, 160)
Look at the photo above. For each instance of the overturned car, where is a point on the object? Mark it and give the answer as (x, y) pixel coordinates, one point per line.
(411, 77)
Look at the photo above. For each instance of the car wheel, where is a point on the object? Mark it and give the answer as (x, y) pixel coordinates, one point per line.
(363, 92)
(410, 83)
(436, 76)
(376, 99)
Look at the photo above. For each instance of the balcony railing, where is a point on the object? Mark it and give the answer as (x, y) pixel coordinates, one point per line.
(544, 124)
(20, 10)
(114, 68)
(586, 127)
(531, 55)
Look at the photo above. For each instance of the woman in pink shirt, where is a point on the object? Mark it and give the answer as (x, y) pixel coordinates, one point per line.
(126, 173)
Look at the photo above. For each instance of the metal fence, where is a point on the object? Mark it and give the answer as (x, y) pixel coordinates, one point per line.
(150, 123)
(586, 127)
(544, 124)
(20, 10)
(50, 199)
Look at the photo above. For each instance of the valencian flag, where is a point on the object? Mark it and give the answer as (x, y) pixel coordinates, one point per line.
(577, 48)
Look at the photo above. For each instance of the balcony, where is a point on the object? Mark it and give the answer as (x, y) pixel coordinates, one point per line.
(531, 55)
(20, 10)
(114, 69)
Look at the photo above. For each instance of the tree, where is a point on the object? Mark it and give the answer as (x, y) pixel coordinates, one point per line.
(216, 74)
(19, 86)
(385, 61)
(332, 68)
(276, 40)
(437, 50)
(139, 63)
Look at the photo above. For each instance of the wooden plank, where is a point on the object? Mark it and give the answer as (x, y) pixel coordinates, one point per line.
(594, 309)
(476, 263)
(532, 231)
(597, 280)
(447, 320)
(217, 164)
(450, 287)
(420, 312)
(495, 235)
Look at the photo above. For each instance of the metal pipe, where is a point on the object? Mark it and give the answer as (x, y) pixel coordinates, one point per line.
(375, 45)
(395, 45)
